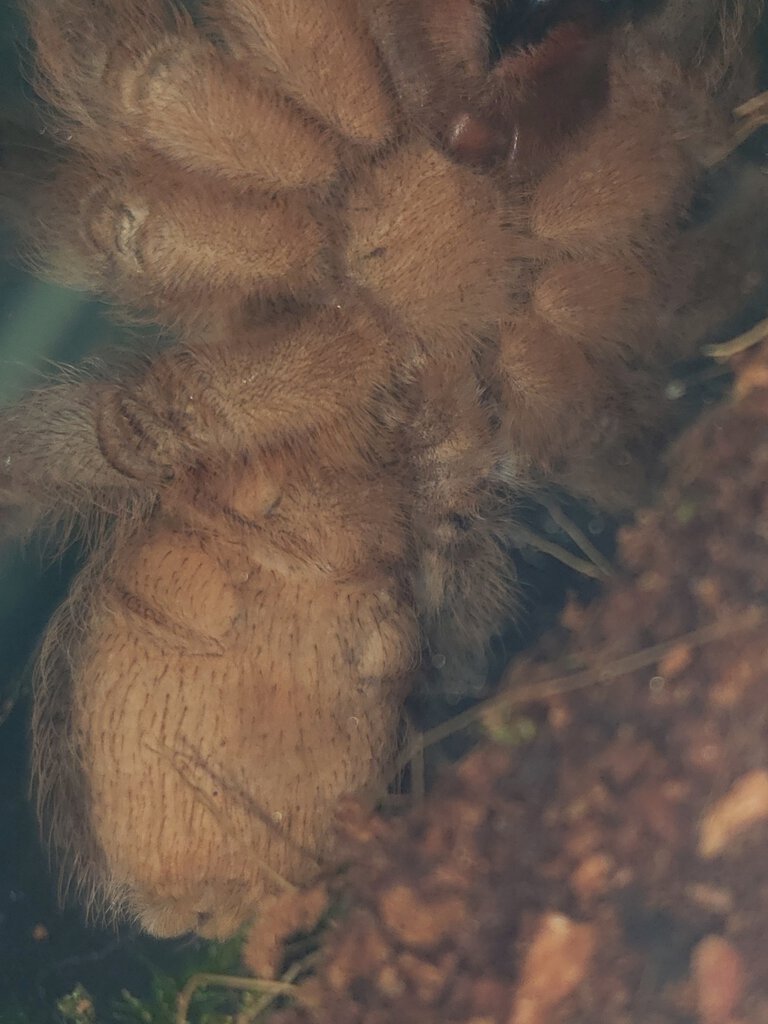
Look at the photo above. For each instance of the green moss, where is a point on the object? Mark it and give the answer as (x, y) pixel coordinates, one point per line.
(158, 1005)
(77, 1007)
(686, 512)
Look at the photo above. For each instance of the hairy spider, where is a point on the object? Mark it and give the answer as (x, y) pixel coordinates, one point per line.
(408, 277)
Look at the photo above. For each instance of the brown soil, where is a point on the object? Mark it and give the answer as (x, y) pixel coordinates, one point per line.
(611, 869)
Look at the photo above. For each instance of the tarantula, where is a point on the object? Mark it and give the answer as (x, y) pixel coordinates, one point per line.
(408, 277)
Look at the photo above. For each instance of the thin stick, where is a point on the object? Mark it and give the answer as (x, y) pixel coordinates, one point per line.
(275, 988)
(548, 547)
(752, 105)
(740, 343)
(269, 997)
(581, 679)
(752, 114)
(748, 127)
(418, 786)
(579, 538)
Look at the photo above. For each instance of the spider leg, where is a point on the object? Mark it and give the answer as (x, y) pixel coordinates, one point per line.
(189, 151)
(321, 55)
(536, 99)
(152, 237)
(77, 442)
(134, 74)
(436, 55)
(462, 578)
(541, 90)
(647, 175)
(52, 466)
(548, 384)
(279, 384)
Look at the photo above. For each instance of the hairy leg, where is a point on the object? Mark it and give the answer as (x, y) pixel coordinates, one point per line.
(321, 55)
(77, 441)
(177, 245)
(136, 75)
(436, 55)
